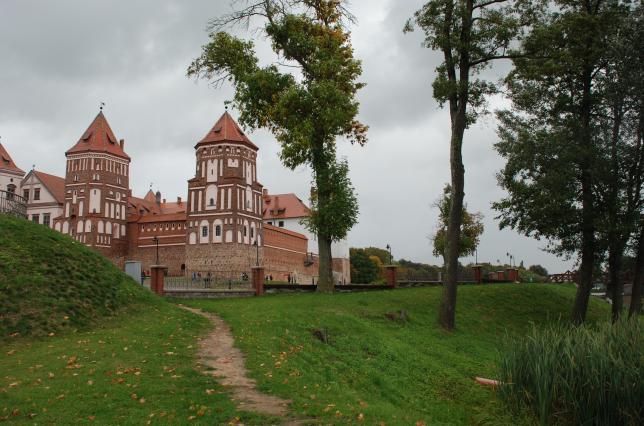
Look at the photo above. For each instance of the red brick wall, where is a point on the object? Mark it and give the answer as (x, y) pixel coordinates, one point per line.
(285, 255)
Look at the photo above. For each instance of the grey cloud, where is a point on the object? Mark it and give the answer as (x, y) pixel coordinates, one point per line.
(61, 58)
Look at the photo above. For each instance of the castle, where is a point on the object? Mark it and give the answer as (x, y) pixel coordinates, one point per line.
(227, 224)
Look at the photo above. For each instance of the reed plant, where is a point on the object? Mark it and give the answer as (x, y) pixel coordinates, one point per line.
(590, 375)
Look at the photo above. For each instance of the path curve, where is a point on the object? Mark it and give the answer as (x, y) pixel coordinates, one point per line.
(217, 350)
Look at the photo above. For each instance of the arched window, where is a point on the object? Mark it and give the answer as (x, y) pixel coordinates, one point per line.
(212, 201)
(218, 231)
(245, 230)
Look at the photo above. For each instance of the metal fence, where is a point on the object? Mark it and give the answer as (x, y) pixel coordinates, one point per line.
(209, 280)
(13, 204)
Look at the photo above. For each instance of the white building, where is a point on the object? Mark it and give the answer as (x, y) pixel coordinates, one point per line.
(45, 195)
(10, 174)
(287, 211)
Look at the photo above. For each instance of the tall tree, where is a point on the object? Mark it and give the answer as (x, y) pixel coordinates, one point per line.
(621, 85)
(471, 223)
(470, 34)
(638, 279)
(551, 138)
(307, 99)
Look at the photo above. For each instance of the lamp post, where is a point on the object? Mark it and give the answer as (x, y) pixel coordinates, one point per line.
(391, 259)
(256, 244)
(156, 241)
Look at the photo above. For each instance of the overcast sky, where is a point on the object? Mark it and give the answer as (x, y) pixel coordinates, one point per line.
(60, 59)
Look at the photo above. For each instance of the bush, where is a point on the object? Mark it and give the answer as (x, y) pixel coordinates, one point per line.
(579, 375)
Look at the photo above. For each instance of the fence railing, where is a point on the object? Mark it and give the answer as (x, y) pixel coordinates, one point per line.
(13, 204)
(209, 281)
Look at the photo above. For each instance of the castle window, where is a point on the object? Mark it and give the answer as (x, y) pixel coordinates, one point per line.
(270, 222)
(35, 218)
(252, 233)
(37, 194)
(25, 194)
(204, 231)
(245, 231)
(280, 224)
(218, 231)
(212, 201)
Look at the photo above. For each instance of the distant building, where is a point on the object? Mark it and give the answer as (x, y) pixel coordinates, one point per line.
(226, 225)
(10, 174)
(288, 211)
(45, 196)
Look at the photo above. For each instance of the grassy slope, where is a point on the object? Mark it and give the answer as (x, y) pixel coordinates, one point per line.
(100, 376)
(140, 346)
(377, 370)
(49, 282)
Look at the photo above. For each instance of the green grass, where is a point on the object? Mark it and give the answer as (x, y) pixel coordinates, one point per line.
(137, 363)
(49, 282)
(584, 375)
(134, 369)
(376, 370)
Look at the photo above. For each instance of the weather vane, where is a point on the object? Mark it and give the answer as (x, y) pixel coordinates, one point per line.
(102, 105)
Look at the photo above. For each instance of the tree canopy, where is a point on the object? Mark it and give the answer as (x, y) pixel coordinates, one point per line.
(306, 98)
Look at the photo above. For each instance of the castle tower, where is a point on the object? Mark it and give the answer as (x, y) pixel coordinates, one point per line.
(224, 211)
(96, 191)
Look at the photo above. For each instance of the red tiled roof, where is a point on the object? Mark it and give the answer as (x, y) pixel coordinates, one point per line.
(170, 217)
(6, 162)
(54, 184)
(226, 130)
(137, 204)
(284, 206)
(139, 208)
(99, 138)
(150, 197)
(169, 208)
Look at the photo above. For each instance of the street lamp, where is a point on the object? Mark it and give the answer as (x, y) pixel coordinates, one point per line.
(156, 241)
(256, 244)
(391, 259)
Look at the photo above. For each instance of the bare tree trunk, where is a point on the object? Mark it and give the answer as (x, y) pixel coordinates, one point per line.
(616, 285)
(638, 279)
(588, 214)
(616, 244)
(325, 279)
(325, 268)
(447, 313)
(458, 111)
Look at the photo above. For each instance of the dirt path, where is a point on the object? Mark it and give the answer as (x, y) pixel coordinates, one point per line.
(217, 350)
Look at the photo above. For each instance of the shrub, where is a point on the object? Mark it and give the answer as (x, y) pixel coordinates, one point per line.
(579, 375)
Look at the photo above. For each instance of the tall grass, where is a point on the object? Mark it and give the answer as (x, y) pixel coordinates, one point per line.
(584, 375)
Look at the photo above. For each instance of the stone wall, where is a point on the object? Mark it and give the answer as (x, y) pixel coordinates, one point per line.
(285, 256)
(174, 257)
(227, 260)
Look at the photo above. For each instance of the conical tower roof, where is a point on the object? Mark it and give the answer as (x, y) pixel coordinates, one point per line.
(99, 138)
(226, 129)
(7, 163)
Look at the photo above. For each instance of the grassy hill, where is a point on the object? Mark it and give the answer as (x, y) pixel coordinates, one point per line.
(374, 368)
(48, 282)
